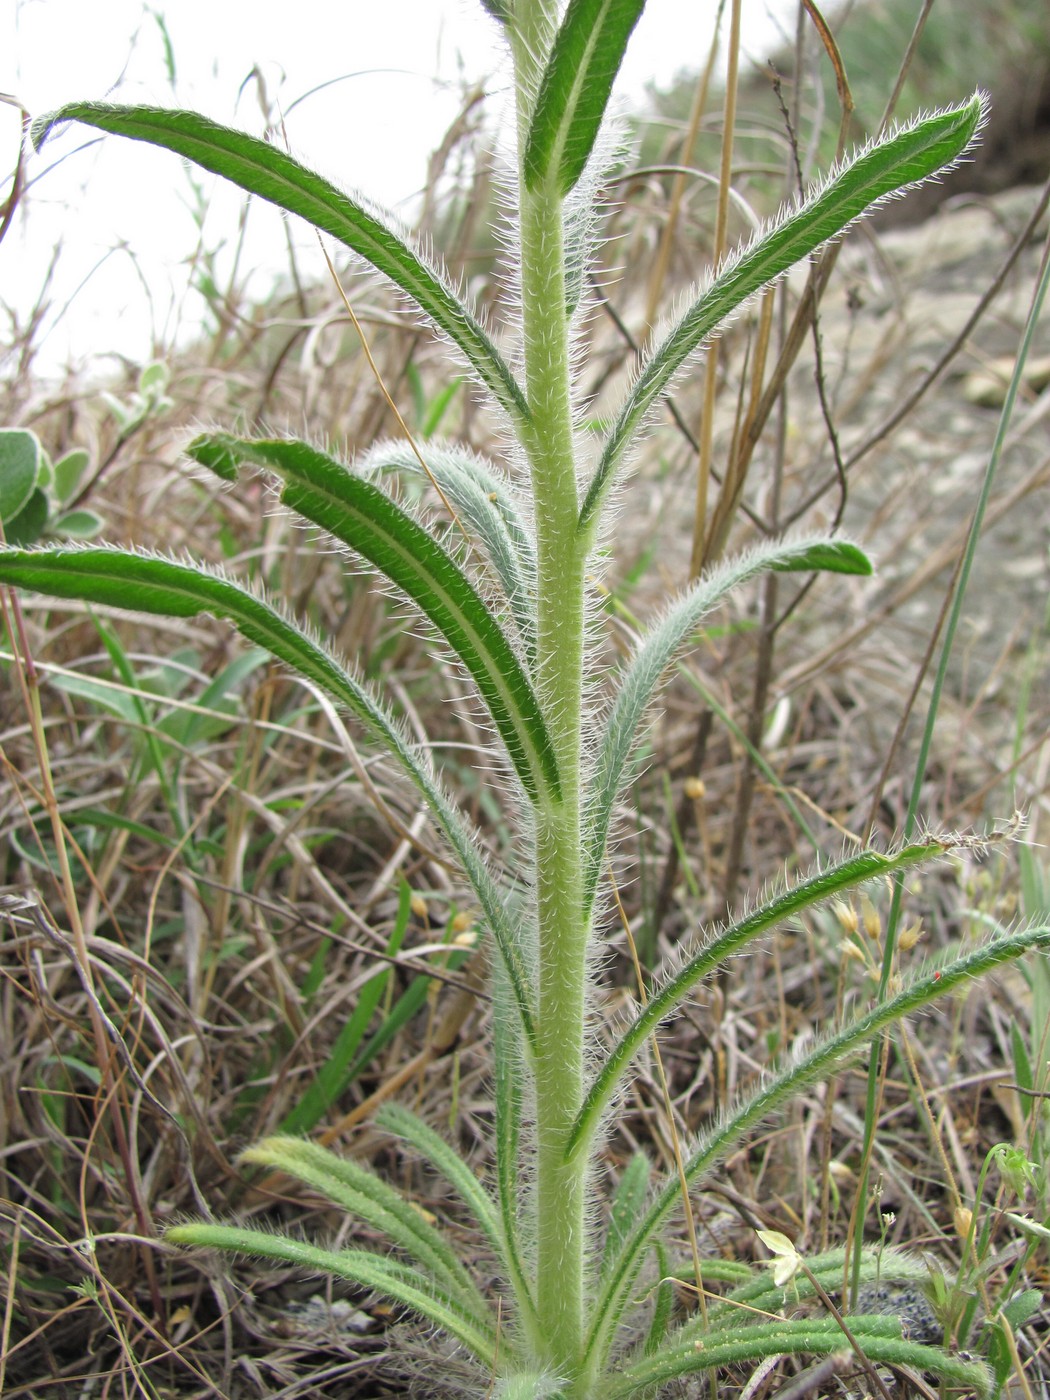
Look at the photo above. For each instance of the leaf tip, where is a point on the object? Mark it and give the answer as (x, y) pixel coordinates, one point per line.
(216, 451)
(40, 128)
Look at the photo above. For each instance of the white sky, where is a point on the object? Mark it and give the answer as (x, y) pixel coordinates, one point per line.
(121, 212)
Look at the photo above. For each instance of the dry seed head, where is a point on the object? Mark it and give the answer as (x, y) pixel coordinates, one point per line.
(872, 921)
(463, 922)
(418, 906)
(694, 788)
(846, 915)
(963, 1219)
(849, 949)
(910, 936)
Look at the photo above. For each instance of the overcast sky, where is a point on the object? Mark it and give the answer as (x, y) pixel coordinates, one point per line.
(394, 72)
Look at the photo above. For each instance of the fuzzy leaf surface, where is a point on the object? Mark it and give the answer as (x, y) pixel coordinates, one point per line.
(664, 1001)
(393, 1280)
(270, 173)
(482, 497)
(585, 58)
(360, 1191)
(829, 1053)
(904, 157)
(150, 584)
(620, 733)
(367, 520)
(879, 1337)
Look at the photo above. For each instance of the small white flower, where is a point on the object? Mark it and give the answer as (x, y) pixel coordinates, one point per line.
(786, 1261)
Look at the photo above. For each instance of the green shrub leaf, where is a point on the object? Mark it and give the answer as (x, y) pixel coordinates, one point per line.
(665, 1000)
(484, 501)
(19, 468)
(828, 1054)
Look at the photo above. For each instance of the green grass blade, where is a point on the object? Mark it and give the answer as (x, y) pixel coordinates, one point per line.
(665, 1000)
(574, 93)
(336, 1074)
(904, 157)
(826, 1057)
(360, 1191)
(612, 770)
(482, 497)
(152, 584)
(271, 174)
(366, 519)
(385, 1276)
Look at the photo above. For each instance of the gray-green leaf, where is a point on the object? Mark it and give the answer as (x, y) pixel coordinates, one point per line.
(19, 467)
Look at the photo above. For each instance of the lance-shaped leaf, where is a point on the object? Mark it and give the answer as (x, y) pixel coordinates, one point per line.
(665, 1000)
(482, 497)
(878, 1337)
(574, 92)
(612, 769)
(356, 1189)
(367, 520)
(882, 169)
(151, 584)
(393, 1118)
(271, 174)
(399, 1282)
(826, 1057)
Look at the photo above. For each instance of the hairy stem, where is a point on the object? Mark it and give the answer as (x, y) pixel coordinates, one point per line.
(560, 553)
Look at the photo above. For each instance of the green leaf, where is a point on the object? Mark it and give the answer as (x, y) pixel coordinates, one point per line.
(575, 89)
(147, 583)
(498, 9)
(439, 406)
(828, 1054)
(68, 471)
(903, 157)
(484, 501)
(627, 1204)
(19, 468)
(826, 556)
(664, 1000)
(393, 1280)
(877, 1336)
(332, 1079)
(78, 525)
(267, 171)
(357, 1189)
(361, 515)
(410, 1128)
(30, 522)
(153, 379)
(1022, 1307)
(612, 769)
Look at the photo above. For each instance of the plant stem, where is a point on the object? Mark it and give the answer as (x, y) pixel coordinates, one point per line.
(562, 932)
